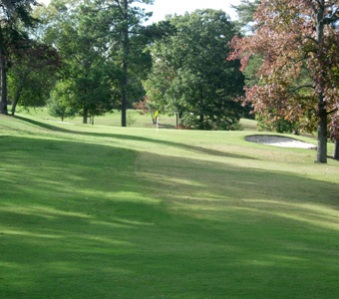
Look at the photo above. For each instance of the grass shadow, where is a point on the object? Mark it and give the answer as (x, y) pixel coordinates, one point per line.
(80, 220)
(138, 138)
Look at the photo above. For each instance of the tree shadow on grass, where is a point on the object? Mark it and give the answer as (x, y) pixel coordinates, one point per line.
(139, 138)
(92, 221)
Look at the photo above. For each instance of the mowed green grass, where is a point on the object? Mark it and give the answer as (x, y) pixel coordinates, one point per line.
(109, 212)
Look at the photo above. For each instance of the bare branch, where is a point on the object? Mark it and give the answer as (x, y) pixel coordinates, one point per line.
(321, 3)
(311, 38)
(332, 111)
(301, 87)
(313, 7)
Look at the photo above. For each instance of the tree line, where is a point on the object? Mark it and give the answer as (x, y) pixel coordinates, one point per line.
(279, 62)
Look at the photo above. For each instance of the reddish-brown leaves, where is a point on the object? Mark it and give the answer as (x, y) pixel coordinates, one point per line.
(298, 40)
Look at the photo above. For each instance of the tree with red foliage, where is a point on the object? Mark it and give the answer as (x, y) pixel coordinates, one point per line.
(298, 41)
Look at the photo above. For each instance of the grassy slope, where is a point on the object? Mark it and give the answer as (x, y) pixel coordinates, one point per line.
(103, 212)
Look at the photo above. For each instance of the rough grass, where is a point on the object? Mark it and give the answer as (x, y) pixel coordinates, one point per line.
(108, 212)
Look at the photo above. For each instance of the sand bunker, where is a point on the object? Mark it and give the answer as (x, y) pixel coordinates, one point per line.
(282, 141)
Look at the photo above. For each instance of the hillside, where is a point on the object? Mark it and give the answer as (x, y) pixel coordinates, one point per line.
(109, 212)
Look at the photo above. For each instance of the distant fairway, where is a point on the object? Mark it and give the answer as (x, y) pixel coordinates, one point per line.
(132, 213)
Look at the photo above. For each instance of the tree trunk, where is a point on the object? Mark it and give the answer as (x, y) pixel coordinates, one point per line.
(124, 82)
(18, 92)
(85, 116)
(322, 113)
(336, 149)
(123, 103)
(201, 120)
(14, 104)
(16, 99)
(3, 101)
(322, 132)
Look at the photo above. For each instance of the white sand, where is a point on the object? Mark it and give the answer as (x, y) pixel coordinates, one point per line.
(282, 141)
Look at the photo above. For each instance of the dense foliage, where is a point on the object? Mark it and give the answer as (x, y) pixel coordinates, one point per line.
(15, 18)
(103, 53)
(298, 41)
(32, 74)
(191, 75)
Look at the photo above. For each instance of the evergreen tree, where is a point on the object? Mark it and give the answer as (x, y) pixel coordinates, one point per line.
(15, 15)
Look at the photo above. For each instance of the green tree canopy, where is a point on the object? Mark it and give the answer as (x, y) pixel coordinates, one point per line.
(15, 16)
(246, 10)
(80, 34)
(103, 51)
(32, 74)
(191, 75)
